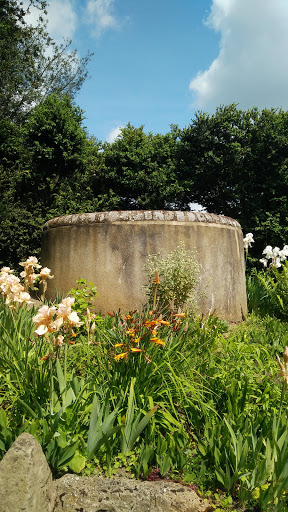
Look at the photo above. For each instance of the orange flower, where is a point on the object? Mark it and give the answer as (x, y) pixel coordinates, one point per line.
(158, 341)
(136, 350)
(118, 345)
(151, 323)
(179, 315)
(120, 356)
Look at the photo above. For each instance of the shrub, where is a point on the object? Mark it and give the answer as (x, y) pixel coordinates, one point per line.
(179, 275)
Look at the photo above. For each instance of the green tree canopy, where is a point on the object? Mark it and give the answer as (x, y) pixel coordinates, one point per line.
(138, 172)
(235, 163)
(46, 170)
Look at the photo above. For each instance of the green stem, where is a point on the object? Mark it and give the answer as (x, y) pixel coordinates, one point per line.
(154, 298)
(65, 361)
(51, 386)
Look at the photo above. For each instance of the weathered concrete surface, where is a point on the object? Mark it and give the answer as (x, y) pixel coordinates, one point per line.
(110, 249)
(91, 494)
(25, 478)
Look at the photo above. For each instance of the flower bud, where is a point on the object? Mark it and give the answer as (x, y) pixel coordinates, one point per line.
(156, 279)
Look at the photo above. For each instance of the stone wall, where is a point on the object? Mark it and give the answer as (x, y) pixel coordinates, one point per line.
(110, 249)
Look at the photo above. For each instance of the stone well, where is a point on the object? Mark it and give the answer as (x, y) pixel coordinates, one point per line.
(110, 249)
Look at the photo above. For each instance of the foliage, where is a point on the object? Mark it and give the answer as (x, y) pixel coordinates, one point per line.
(231, 156)
(267, 292)
(46, 171)
(84, 294)
(178, 275)
(185, 397)
(138, 172)
(50, 167)
(33, 66)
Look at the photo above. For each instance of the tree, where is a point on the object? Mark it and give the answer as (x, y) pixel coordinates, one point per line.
(235, 163)
(137, 172)
(47, 169)
(32, 65)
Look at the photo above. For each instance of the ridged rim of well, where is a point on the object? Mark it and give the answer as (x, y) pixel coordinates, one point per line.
(138, 216)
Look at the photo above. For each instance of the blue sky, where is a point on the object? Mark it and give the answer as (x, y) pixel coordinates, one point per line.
(157, 61)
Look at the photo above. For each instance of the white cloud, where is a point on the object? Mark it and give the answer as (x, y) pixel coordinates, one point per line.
(61, 17)
(99, 15)
(112, 136)
(251, 66)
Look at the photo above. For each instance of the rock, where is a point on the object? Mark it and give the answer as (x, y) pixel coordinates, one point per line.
(93, 494)
(26, 486)
(25, 478)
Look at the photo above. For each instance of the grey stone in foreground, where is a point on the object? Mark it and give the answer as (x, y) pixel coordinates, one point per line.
(25, 478)
(91, 494)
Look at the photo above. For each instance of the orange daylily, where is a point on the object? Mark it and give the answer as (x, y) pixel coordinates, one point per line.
(158, 341)
(130, 332)
(120, 356)
(151, 323)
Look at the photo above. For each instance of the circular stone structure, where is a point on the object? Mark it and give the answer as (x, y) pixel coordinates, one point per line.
(110, 250)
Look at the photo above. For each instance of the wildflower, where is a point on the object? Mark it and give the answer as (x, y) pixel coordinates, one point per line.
(44, 319)
(28, 273)
(158, 341)
(264, 262)
(45, 273)
(248, 240)
(136, 349)
(10, 284)
(276, 255)
(50, 355)
(30, 262)
(164, 322)
(74, 320)
(6, 270)
(268, 252)
(59, 340)
(92, 329)
(130, 332)
(22, 297)
(151, 323)
(64, 308)
(120, 356)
